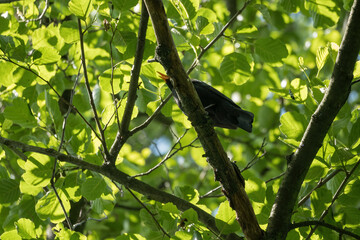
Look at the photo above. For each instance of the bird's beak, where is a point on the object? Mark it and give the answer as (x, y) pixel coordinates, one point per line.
(163, 76)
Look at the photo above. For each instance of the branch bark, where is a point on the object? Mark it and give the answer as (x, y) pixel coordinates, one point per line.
(123, 133)
(225, 172)
(127, 181)
(321, 120)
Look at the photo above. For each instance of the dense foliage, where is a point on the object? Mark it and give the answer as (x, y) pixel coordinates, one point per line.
(275, 60)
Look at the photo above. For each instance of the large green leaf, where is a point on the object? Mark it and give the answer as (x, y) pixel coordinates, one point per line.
(38, 170)
(293, 125)
(270, 50)
(48, 207)
(226, 219)
(235, 68)
(19, 112)
(9, 190)
(93, 187)
(81, 8)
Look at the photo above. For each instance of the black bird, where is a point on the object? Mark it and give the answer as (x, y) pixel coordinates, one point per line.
(63, 106)
(221, 109)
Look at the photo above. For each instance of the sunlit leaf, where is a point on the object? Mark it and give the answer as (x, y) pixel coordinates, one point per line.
(235, 68)
(19, 113)
(293, 125)
(49, 207)
(226, 218)
(26, 228)
(80, 8)
(69, 31)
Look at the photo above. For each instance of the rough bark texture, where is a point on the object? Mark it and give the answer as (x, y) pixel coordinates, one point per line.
(321, 120)
(224, 170)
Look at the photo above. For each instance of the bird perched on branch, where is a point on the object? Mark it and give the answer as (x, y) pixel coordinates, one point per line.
(221, 109)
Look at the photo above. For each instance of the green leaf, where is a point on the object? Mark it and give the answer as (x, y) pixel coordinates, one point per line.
(187, 193)
(93, 187)
(299, 90)
(130, 236)
(26, 228)
(247, 31)
(357, 70)
(270, 50)
(290, 5)
(293, 125)
(10, 235)
(124, 5)
(45, 55)
(81, 8)
(72, 186)
(354, 139)
(264, 11)
(205, 21)
(325, 13)
(19, 113)
(186, 8)
(226, 219)
(170, 207)
(235, 68)
(64, 233)
(69, 31)
(113, 86)
(38, 170)
(9, 190)
(49, 207)
(6, 73)
(341, 156)
(321, 56)
(190, 215)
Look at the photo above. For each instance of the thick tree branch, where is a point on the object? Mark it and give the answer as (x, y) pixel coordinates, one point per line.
(320, 122)
(127, 181)
(225, 172)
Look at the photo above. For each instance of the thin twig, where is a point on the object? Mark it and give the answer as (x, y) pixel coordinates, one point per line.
(207, 195)
(112, 75)
(52, 180)
(88, 88)
(149, 119)
(41, 15)
(220, 34)
(256, 158)
(337, 194)
(52, 88)
(323, 224)
(146, 208)
(169, 154)
(274, 178)
(321, 182)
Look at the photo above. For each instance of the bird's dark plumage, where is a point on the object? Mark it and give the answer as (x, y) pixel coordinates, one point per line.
(222, 110)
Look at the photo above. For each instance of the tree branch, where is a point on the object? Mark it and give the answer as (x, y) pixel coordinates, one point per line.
(122, 178)
(87, 84)
(323, 224)
(320, 122)
(135, 72)
(225, 172)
